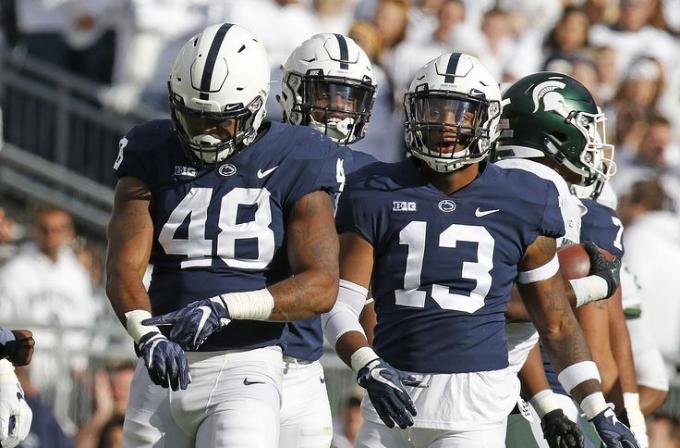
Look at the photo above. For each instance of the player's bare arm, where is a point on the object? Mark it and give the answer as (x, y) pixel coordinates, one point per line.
(313, 254)
(130, 235)
(356, 266)
(383, 383)
(552, 314)
(593, 319)
(621, 349)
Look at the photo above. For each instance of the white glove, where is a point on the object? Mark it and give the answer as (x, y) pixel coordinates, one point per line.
(631, 403)
(15, 415)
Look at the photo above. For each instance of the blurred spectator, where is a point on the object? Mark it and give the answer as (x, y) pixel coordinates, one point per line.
(391, 19)
(656, 156)
(45, 285)
(112, 433)
(605, 59)
(347, 429)
(7, 237)
(500, 43)
(663, 431)
(75, 35)
(635, 103)
(410, 55)
(383, 139)
(652, 242)
(334, 16)
(569, 36)
(45, 430)
(634, 34)
(111, 393)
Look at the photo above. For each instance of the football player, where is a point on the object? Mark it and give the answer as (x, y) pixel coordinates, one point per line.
(235, 215)
(16, 349)
(440, 238)
(551, 117)
(328, 85)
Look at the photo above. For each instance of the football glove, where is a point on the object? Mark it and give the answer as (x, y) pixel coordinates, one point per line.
(635, 420)
(164, 360)
(560, 432)
(385, 387)
(600, 266)
(613, 433)
(192, 324)
(15, 415)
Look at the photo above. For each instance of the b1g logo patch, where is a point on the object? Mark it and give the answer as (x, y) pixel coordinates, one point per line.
(403, 206)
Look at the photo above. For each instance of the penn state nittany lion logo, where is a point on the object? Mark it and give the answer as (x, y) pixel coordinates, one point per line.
(547, 92)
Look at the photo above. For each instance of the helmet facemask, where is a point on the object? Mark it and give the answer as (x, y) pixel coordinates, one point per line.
(338, 107)
(211, 137)
(596, 160)
(448, 130)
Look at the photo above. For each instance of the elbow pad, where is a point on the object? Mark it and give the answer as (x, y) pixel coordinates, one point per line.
(344, 316)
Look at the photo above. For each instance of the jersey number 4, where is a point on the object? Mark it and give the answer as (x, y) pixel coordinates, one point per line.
(413, 235)
(199, 250)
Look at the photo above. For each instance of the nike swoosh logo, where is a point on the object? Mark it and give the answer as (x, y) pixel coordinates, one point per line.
(248, 383)
(201, 323)
(262, 174)
(479, 213)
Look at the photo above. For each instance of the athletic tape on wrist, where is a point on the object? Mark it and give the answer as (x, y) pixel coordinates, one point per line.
(362, 357)
(589, 289)
(251, 305)
(134, 327)
(544, 402)
(540, 273)
(631, 402)
(577, 373)
(593, 404)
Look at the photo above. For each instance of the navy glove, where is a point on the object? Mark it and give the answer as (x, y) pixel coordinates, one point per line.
(195, 322)
(560, 432)
(385, 387)
(164, 360)
(613, 433)
(600, 266)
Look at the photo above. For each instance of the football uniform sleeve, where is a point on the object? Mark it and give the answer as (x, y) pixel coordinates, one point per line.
(602, 226)
(354, 215)
(132, 160)
(552, 222)
(324, 172)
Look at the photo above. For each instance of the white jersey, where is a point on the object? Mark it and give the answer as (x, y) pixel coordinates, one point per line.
(523, 336)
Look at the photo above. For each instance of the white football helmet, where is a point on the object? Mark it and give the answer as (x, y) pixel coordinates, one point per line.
(218, 88)
(452, 106)
(328, 84)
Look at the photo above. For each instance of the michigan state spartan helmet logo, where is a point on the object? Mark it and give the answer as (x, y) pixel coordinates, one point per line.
(548, 93)
(550, 114)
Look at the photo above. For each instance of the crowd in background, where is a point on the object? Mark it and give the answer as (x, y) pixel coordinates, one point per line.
(627, 52)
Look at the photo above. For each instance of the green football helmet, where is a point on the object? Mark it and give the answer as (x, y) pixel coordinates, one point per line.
(550, 114)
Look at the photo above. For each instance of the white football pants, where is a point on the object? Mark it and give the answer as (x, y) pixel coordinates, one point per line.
(233, 400)
(306, 420)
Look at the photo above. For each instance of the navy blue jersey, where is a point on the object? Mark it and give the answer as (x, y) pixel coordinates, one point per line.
(444, 265)
(222, 229)
(304, 338)
(602, 226)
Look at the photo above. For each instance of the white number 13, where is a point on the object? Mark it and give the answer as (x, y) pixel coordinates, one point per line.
(413, 235)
